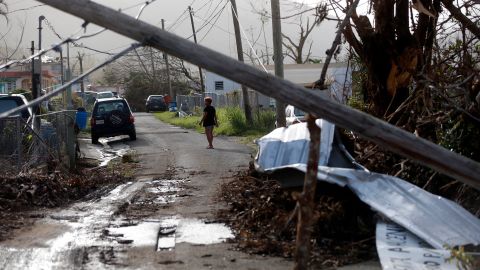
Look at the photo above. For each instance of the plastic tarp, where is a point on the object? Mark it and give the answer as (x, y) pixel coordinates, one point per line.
(434, 219)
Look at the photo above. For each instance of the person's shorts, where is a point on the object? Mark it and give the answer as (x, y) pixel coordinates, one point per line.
(209, 127)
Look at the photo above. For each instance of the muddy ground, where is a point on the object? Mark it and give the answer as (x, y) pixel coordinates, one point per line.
(28, 196)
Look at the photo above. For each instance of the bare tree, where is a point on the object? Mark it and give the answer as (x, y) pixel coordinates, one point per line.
(295, 49)
(8, 52)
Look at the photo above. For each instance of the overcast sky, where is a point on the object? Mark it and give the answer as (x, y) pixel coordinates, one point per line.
(217, 34)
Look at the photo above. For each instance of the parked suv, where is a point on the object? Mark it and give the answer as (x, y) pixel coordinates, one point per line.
(156, 103)
(112, 117)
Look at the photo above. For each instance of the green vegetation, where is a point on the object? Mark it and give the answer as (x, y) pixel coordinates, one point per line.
(232, 122)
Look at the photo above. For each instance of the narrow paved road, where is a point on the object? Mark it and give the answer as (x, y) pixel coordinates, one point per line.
(163, 220)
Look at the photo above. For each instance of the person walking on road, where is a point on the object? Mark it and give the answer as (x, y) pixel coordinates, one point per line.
(209, 120)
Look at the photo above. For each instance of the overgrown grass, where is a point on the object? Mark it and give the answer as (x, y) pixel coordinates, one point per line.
(232, 122)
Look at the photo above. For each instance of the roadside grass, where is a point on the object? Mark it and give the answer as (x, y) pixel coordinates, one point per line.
(231, 120)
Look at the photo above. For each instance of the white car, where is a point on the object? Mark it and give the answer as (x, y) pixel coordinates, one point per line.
(105, 94)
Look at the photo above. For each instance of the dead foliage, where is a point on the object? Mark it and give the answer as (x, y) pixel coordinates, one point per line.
(383, 161)
(22, 196)
(260, 213)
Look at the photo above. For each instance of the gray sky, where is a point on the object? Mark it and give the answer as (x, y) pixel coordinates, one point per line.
(219, 37)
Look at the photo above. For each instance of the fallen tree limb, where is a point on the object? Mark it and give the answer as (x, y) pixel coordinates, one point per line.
(376, 130)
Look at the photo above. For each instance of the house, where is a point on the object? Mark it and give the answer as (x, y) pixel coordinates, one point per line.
(339, 78)
(12, 80)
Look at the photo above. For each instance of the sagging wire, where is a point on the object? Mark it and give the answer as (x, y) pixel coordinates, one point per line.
(62, 88)
(248, 41)
(142, 8)
(58, 48)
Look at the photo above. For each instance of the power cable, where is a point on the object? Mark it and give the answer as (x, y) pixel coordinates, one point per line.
(248, 41)
(24, 9)
(228, 31)
(214, 23)
(62, 88)
(50, 26)
(209, 20)
(57, 47)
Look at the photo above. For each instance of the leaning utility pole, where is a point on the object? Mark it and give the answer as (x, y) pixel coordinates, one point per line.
(278, 57)
(165, 56)
(195, 39)
(238, 38)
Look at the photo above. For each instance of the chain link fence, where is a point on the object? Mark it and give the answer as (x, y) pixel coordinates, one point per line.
(232, 99)
(23, 147)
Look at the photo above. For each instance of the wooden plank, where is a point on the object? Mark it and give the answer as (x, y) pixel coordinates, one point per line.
(376, 130)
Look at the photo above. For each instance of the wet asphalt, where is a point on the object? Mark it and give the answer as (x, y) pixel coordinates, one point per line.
(169, 222)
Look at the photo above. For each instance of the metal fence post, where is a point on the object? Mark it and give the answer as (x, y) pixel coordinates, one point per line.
(71, 138)
(19, 138)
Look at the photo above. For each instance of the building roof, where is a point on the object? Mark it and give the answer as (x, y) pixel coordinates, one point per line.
(308, 73)
(20, 74)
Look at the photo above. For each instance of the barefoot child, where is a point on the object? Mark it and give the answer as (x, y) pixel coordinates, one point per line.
(209, 120)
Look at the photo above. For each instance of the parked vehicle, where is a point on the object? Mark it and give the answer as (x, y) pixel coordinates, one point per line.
(8, 102)
(89, 96)
(112, 117)
(105, 94)
(156, 103)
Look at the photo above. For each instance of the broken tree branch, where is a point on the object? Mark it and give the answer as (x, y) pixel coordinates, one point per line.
(338, 38)
(374, 129)
(459, 16)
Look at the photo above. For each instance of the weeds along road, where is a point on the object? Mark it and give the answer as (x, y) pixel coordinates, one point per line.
(162, 220)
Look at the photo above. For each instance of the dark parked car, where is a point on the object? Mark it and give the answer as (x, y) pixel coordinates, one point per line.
(112, 117)
(8, 102)
(156, 103)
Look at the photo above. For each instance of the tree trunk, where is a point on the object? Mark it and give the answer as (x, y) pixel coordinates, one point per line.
(306, 200)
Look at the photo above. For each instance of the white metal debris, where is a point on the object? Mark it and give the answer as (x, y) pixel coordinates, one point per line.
(399, 249)
(434, 219)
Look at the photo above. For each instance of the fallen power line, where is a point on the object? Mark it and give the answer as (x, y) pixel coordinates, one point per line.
(62, 88)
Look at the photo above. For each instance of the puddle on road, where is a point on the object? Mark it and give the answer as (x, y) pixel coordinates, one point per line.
(142, 234)
(166, 233)
(166, 191)
(193, 231)
(108, 152)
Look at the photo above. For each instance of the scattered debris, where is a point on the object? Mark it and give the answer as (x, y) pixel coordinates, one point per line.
(22, 194)
(260, 213)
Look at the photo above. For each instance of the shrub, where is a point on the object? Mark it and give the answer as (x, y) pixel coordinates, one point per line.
(236, 117)
(264, 120)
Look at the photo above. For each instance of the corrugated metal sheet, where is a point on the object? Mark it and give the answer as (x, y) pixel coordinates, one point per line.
(434, 219)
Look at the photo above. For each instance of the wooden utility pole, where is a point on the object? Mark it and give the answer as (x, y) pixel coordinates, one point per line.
(238, 38)
(35, 84)
(69, 77)
(165, 56)
(195, 39)
(82, 85)
(380, 132)
(278, 57)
